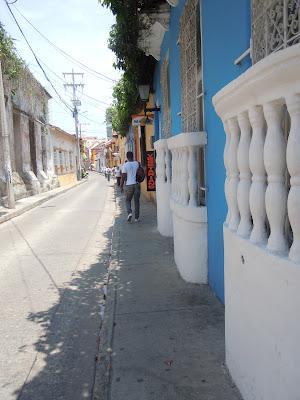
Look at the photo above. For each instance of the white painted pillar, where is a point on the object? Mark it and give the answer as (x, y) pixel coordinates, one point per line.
(185, 176)
(275, 164)
(233, 173)
(173, 166)
(225, 157)
(192, 171)
(258, 186)
(160, 165)
(245, 224)
(293, 163)
(168, 165)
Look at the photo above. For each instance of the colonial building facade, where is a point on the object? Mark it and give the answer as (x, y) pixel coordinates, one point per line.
(31, 153)
(227, 142)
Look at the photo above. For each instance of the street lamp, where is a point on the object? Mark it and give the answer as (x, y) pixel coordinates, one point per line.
(144, 91)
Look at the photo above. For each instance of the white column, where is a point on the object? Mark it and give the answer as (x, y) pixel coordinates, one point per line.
(225, 157)
(180, 174)
(258, 186)
(173, 174)
(293, 163)
(275, 164)
(192, 181)
(160, 165)
(185, 176)
(245, 224)
(176, 158)
(233, 173)
(168, 165)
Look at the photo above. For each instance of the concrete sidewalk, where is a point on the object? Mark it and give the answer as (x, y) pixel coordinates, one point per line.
(27, 203)
(162, 338)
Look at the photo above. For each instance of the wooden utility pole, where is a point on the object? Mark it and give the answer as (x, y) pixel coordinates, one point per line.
(4, 135)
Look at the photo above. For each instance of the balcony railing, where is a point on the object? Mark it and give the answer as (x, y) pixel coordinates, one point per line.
(261, 115)
(275, 26)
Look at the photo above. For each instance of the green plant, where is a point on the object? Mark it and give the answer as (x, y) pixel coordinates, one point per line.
(137, 67)
(11, 63)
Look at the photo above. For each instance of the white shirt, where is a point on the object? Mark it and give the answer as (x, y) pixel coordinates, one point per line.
(118, 172)
(130, 169)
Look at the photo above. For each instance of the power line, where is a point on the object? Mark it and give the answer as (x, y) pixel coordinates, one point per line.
(36, 58)
(84, 66)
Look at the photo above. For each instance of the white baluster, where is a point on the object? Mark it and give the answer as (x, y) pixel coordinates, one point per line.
(180, 170)
(192, 171)
(185, 176)
(168, 164)
(258, 186)
(173, 174)
(176, 175)
(160, 165)
(233, 173)
(245, 224)
(275, 164)
(293, 163)
(225, 157)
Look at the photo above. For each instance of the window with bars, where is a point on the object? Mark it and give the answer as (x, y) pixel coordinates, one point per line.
(275, 26)
(192, 84)
(166, 99)
(191, 68)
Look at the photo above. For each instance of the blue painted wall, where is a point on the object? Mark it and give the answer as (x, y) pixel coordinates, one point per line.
(225, 36)
(170, 44)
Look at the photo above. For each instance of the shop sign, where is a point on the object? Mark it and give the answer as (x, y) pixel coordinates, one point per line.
(150, 172)
(138, 120)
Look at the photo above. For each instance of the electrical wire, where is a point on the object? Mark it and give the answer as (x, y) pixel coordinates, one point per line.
(84, 66)
(36, 58)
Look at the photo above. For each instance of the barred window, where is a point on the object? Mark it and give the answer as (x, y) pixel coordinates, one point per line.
(166, 99)
(275, 26)
(191, 68)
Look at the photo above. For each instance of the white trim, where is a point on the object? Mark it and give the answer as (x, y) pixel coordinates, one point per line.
(238, 60)
(187, 139)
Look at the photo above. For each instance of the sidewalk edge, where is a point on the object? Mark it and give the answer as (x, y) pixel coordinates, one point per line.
(37, 203)
(101, 389)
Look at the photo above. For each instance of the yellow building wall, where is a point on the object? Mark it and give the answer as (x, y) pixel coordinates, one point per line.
(67, 179)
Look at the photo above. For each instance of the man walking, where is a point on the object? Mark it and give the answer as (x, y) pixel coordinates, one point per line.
(132, 188)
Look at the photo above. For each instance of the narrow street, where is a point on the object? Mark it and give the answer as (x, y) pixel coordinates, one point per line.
(53, 263)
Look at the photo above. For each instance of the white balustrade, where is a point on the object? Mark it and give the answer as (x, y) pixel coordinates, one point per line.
(233, 173)
(189, 218)
(293, 163)
(257, 167)
(226, 185)
(244, 185)
(256, 155)
(276, 193)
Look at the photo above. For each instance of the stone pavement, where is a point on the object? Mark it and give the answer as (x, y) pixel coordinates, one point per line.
(162, 338)
(27, 203)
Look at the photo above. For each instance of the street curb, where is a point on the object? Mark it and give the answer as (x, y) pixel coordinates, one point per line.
(28, 207)
(101, 390)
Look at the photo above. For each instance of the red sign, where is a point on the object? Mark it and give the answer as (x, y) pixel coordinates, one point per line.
(150, 171)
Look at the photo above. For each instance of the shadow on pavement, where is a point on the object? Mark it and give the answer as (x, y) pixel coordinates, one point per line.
(64, 366)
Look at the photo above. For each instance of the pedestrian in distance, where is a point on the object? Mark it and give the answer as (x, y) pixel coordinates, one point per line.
(132, 176)
(118, 175)
(108, 172)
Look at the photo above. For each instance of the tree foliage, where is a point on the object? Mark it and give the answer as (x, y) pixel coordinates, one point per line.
(137, 68)
(11, 63)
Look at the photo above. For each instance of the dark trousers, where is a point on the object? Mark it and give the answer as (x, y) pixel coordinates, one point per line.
(133, 191)
(118, 180)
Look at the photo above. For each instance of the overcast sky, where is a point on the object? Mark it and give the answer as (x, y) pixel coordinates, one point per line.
(80, 28)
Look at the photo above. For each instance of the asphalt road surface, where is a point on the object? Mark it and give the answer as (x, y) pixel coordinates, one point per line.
(53, 263)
